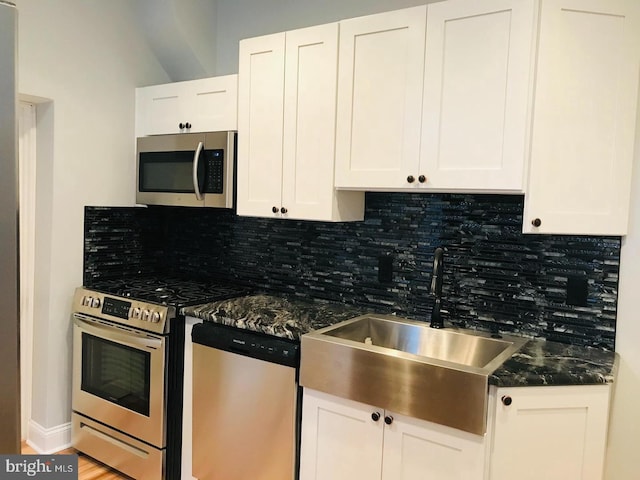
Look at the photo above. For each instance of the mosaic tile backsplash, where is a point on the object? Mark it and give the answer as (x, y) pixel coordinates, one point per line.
(562, 288)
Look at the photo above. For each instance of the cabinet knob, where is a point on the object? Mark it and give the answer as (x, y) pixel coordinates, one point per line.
(388, 419)
(283, 210)
(274, 209)
(506, 400)
(536, 222)
(411, 179)
(375, 416)
(422, 179)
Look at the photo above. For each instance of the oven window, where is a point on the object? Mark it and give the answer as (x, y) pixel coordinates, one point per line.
(115, 372)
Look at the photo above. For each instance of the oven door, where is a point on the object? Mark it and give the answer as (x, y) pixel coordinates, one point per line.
(119, 378)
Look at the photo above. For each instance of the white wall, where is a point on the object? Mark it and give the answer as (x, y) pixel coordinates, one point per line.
(623, 461)
(87, 57)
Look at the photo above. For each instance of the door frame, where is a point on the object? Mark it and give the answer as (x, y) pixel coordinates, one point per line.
(27, 227)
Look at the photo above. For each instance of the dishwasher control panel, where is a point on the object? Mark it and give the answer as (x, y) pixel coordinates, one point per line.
(248, 343)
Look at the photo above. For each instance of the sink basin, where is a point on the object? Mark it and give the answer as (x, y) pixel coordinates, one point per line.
(439, 375)
(448, 345)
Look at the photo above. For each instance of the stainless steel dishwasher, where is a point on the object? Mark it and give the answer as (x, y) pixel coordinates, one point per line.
(246, 404)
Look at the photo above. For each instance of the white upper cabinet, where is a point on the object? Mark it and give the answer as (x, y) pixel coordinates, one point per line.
(206, 105)
(477, 86)
(584, 117)
(311, 68)
(381, 63)
(451, 116)
(286, 124)
(260, 129)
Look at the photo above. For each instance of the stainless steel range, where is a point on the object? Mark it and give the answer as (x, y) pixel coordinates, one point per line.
(128, 360)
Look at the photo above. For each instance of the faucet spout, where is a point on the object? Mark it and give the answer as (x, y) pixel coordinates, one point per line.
(436, 288)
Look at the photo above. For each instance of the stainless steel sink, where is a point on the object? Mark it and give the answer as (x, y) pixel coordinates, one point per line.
(440, 375)
(449, 345)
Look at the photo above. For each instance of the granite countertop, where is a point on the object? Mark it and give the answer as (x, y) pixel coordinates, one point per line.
(541, 362)
(281, 316)
(538, 362)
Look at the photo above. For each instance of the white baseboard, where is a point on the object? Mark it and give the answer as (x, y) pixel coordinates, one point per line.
(48, 440)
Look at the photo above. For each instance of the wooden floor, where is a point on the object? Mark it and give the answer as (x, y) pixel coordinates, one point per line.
(88, 468)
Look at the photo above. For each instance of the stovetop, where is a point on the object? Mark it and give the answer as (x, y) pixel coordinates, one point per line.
(173, 291)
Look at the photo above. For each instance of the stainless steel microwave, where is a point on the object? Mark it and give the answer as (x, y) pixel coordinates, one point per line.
(190, 169)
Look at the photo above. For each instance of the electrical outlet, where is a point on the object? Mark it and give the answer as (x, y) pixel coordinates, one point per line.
(385, 269)
(577, 291)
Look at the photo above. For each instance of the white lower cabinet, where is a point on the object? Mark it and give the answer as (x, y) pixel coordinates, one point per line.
(340, 441)
(415, 449)
(550, 433)
(347, 440)
(533, 433)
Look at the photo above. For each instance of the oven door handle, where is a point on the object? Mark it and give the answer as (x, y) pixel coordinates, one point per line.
(127, 337)
(196, 158)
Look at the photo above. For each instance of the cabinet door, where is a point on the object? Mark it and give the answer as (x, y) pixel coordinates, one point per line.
(260, 129)
(208, 105)
(381, 61)
(309, 122)
(159, 109)
(340, 440)
(415, 449)
(476, 94)
(551, 433)
(584, 117)
(212, 104)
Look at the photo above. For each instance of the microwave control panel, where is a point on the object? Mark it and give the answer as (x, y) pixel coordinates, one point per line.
(214, 171)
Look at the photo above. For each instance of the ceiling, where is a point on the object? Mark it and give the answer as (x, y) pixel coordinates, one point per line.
(181, 33)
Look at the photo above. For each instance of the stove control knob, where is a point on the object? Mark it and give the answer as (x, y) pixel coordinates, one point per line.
(96, 302)
(155, 317)
(145, 315)
(135, 312)
(86, 301)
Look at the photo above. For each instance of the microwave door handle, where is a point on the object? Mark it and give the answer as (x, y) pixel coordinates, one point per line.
(196, 158)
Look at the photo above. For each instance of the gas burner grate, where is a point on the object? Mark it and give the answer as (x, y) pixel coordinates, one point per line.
(168, 290)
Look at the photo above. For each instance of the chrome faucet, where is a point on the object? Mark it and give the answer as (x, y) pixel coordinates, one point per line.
(436, 288)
